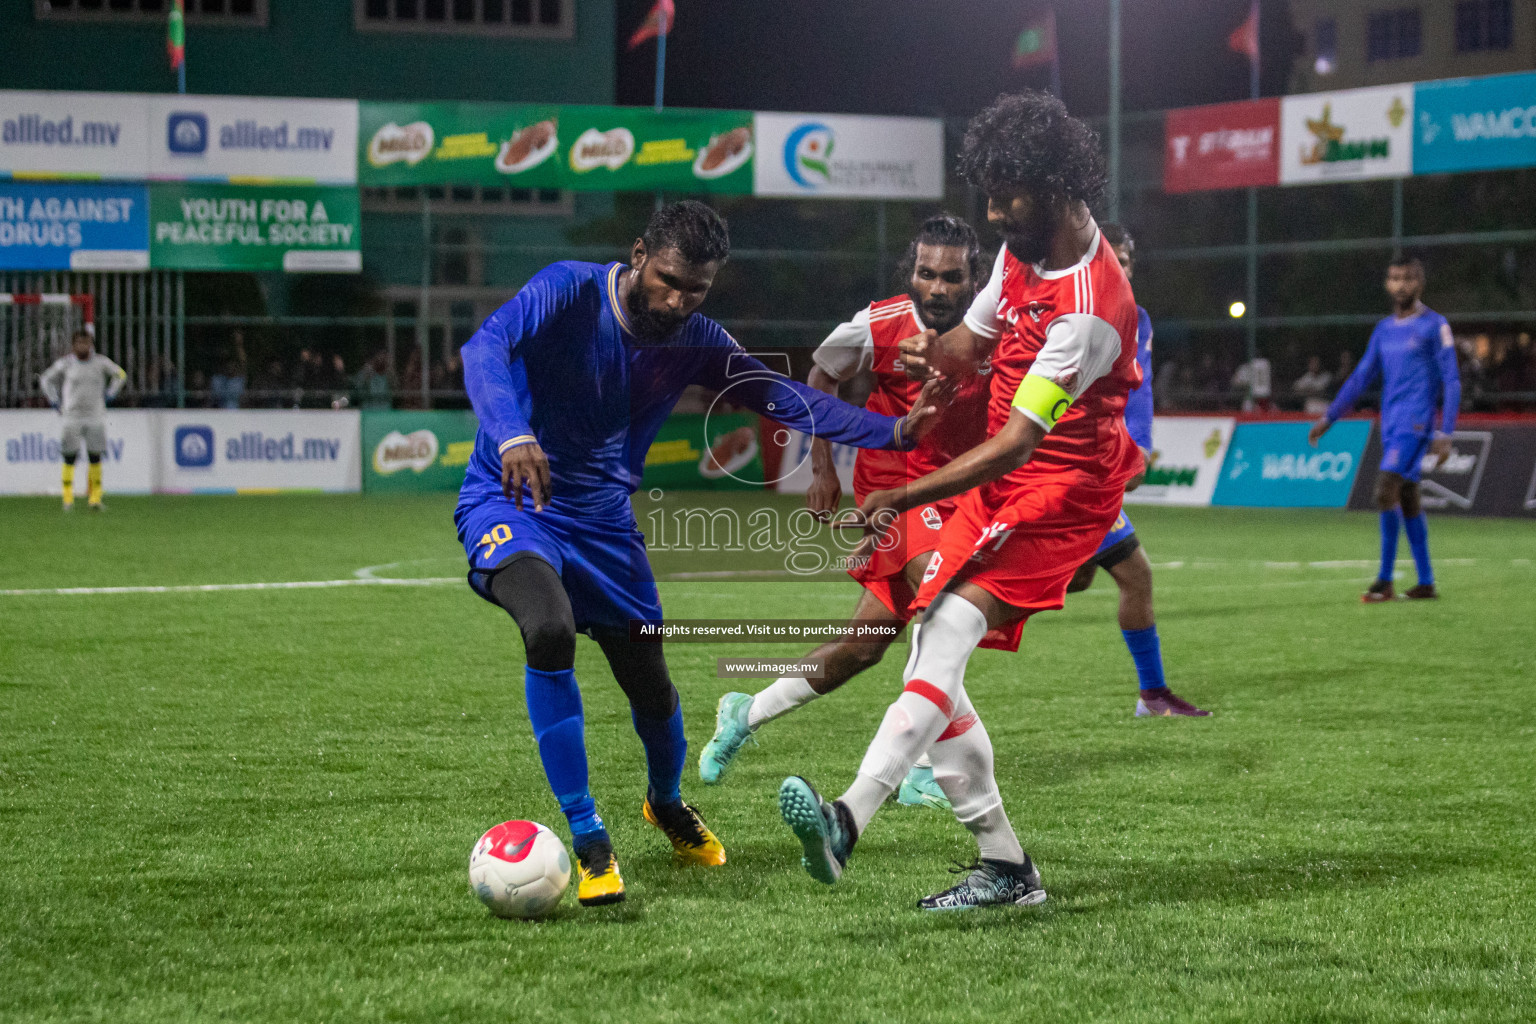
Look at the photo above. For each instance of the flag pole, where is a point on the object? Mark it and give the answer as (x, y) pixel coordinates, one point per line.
(1252, 327)
(661, 57)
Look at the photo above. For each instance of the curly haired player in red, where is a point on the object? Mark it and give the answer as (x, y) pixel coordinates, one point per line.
(943, 268)
(1057, 324)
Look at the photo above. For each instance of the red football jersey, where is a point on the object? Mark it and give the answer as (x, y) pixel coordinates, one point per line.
(1090, 438)
(961, 427)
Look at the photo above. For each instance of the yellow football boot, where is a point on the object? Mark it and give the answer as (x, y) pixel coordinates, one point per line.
(692, 841)
(597, 871)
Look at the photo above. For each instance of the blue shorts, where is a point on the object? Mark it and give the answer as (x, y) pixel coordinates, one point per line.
(1403, 454)
(1117, 544)
(601, 563)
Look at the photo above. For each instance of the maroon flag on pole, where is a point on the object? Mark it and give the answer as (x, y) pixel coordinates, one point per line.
(1245, 38)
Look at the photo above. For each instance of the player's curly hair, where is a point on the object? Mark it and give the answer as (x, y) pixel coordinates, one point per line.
(945, 229)
(1028, 140)
(690, 227)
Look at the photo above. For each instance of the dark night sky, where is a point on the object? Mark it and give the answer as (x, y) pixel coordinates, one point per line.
(939, 57)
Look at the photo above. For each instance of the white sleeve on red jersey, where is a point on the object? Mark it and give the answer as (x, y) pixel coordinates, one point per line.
(983, 318)
(1079, 349)
(849, 350)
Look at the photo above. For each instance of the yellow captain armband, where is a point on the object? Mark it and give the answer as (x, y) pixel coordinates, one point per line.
(1042, 400)
(513, 442)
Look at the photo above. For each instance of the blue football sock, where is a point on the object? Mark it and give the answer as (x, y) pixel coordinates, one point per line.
(554, 708)
(1390, 520)
(666, 750)
(1147, 652)
(1417, 529)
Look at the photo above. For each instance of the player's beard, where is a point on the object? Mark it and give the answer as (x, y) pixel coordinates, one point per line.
(647, 323)
(942, 317)
(1030, 242)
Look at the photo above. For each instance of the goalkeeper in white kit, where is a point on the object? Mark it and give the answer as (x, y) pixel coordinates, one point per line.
(79, 386)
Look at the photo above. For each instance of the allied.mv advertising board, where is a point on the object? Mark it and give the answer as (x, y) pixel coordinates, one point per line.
(73, 135)
(217, 451)
(31, 455)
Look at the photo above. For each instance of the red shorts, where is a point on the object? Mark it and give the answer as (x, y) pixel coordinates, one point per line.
(1024, 552)
(915, 532)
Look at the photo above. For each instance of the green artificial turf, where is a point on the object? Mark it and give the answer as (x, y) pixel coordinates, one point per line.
(258, 805)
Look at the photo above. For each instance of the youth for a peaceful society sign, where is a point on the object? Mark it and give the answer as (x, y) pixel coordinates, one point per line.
(303, 229)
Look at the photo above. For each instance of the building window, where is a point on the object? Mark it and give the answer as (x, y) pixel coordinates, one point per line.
(206, 12)
(473, 199)
(550, 19)
(1483, 25)
(1325, 40)
(1393, 34)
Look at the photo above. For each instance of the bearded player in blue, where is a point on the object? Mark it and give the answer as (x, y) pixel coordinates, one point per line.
(571, 381)
(1413, 354)
(1121, 554)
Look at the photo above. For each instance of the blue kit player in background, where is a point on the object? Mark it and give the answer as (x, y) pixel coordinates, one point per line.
(1121, 555)
(571, 380)
(1413, 355)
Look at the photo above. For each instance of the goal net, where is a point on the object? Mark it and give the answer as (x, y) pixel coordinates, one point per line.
(35, 329)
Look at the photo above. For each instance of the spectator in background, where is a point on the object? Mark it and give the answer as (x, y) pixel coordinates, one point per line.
(448, 375)
(160, 384)
(1314, 387)
(1346, 365)
(227, 386)
(1254, 378)
(374, 388)
(271, 384)
(410, 381)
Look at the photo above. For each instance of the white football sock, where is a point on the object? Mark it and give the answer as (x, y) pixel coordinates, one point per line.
(779, 698)
(935, 676)
(963, 767)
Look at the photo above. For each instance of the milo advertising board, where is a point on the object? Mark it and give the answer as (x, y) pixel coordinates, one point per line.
(716, 452)
(515, 145)
(416, 451)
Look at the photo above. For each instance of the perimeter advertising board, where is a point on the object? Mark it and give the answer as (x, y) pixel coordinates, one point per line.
(720, 451)
(30, 453)
(416, 451)
(1271, 465)
(136, 136)
(583, 148)
(74, 227)
(1226, 145)
(232, 227)
(74, 135)
(1354, 135)
(1491, 471)
(836, 156)
(1187, 453)
(216, 451)
(253, 140)
(1475, 124)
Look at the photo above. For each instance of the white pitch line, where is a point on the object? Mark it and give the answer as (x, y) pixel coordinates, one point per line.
(208, 588)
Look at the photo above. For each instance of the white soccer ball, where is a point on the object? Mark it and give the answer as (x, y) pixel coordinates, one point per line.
(519, 869)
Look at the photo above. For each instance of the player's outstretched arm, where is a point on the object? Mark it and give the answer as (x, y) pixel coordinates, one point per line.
(1364, 376)
(810, 411)
(1450, 394)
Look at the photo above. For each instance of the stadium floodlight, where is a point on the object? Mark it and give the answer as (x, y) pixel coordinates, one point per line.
(1237, 310)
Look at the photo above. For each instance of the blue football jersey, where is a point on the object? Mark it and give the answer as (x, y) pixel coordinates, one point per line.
(558, 364)
(1415, 360)
(1138, 405)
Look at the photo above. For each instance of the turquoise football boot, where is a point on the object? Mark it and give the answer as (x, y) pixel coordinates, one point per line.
(730, 733)
(921, 789)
